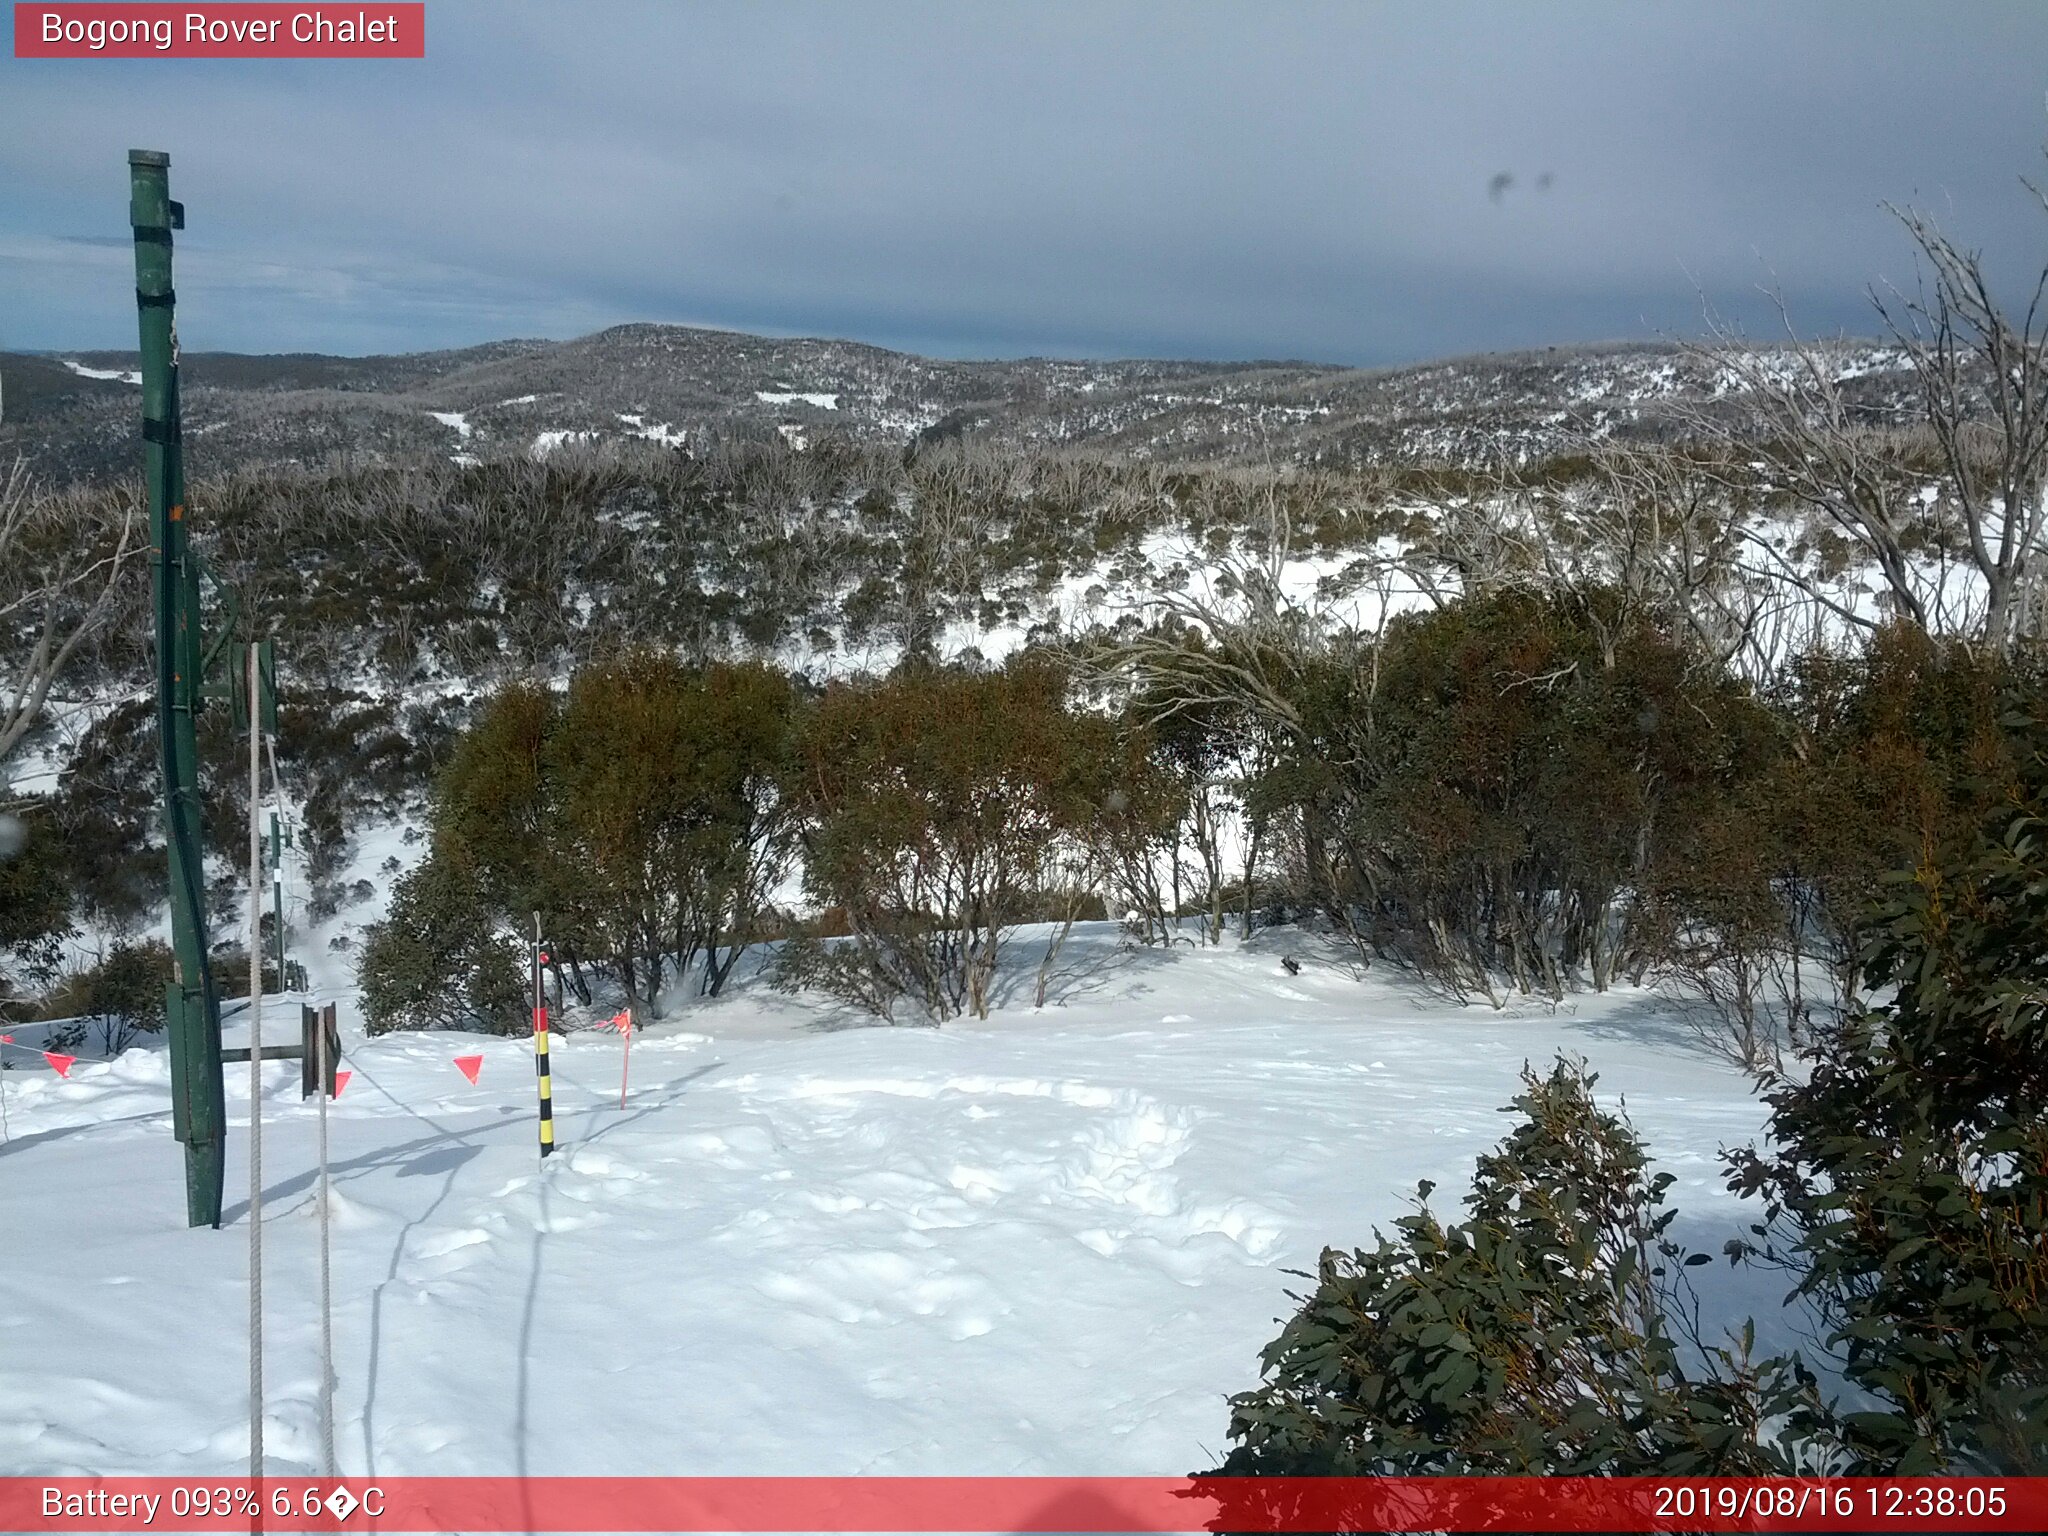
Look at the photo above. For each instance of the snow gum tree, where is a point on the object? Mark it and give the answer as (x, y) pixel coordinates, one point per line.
(671, 826)
(641, 814)
(1906, 1180)
(939, 807)
(62, 560)
(1904, 1192)
(1483, 792)
(623, 815)
(1980, 371)
(437, 961)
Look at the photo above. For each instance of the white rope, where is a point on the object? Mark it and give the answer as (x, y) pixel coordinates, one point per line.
(322, 1068)
(255, 1073)
(326, 1289)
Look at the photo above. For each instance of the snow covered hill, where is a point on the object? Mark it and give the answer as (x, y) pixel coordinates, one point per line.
(682, 384)
(1049, 1243)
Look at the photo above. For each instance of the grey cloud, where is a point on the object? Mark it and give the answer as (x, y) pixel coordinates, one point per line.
(1193, 178)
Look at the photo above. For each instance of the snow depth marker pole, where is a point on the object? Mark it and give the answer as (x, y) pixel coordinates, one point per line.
(540, 1050)
(625, 1023)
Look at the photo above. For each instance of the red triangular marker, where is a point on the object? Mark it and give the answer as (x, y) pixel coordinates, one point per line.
(340, 1081)
(469, 1066)
(61, 1065)
(622, 1021)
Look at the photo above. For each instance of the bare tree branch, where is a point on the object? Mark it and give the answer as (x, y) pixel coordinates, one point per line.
(56, 591)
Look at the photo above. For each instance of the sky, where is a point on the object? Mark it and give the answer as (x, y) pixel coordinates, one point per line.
(1354, 183)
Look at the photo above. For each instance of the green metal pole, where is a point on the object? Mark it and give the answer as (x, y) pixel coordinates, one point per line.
(192, 1008)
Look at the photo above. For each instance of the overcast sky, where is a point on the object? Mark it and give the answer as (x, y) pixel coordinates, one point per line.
(1224, 180)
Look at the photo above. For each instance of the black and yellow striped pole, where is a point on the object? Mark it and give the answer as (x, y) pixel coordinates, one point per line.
(540, 1049)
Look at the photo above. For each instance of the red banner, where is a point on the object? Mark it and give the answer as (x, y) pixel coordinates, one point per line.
(1024, 1504)
(216, 31)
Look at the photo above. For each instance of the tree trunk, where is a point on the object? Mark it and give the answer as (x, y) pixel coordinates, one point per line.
(1251, 861)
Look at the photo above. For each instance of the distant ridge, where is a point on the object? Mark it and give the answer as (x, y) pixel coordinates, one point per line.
(674, 383)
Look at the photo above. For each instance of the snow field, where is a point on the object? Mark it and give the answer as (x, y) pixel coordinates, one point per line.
(1052, 1243)
(122, 375)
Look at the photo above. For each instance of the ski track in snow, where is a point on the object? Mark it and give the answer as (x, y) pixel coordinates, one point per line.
(1053, 1242)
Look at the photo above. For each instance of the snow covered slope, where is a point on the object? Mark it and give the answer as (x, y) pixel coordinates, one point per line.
(303, 408)
(1049, 1243)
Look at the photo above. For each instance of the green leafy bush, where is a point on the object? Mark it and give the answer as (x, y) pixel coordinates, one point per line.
(1906, 1181)
(1547, 1332)
(1905, 1190)
(643, 814)
(127, 990)
(1485, 792)
(437, 961)
(944, 808)
(123, 994)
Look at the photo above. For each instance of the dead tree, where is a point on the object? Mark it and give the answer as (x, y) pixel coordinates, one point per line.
(1981, 381)
(58, 586)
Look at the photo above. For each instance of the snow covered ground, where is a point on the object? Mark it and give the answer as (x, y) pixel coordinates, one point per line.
(658, 432)
(547, 442)
(1053, 1242)
(122, 375)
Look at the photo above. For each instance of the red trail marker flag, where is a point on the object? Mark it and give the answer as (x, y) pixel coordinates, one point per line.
(622, 1021)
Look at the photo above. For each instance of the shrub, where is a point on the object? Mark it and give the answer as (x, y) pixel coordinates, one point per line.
(942, 806)
(1484, 792)
(1901, 749)
(643, 814)
(1906, 1182)
(1905, 1186)
(123, 994)
(1761, 905)
(437, 962)
(230, 971)
(1545, 1333)
(127, 992)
